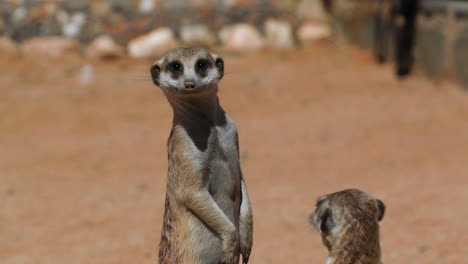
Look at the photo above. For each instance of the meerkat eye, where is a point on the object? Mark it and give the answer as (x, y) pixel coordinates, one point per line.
(220, 65)
(155, 71)
(381, 207)
(327, 221)
(202, 65)
(175, 68)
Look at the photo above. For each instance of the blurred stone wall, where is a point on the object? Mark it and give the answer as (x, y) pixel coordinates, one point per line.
(440, 34)
(125, 19)
(146, 28)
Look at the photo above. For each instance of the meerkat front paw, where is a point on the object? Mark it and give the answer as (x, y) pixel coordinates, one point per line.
(245, 256)
(230, 248)
(245, 246)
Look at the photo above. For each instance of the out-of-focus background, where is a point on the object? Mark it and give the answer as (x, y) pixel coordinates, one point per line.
(327, 95)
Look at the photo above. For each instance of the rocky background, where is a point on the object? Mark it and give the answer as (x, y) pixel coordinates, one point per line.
(147, 28)
(106, 29)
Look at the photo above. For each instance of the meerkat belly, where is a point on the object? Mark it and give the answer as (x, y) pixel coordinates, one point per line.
(224, 177)
(225, 191)
(224, 187)
(223, 183)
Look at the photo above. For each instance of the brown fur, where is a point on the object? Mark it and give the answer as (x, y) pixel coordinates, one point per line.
(349, 224)
(207, 217)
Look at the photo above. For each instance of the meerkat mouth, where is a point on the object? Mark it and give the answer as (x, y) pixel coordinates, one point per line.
(190, 90)
(194, 90)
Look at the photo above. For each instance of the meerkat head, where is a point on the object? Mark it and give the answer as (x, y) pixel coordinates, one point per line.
(347, 218)
(188, 71)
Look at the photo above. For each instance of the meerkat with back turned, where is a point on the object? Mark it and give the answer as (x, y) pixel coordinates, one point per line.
(349, 224)
(207, 219)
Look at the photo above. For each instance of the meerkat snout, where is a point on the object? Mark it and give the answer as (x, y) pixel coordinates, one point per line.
(189, 85)
(349, 224)
(188, 71)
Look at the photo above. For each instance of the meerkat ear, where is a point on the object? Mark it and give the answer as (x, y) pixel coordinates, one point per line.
(321, 199)
(156, 71)
(219, 62)
(381, 207)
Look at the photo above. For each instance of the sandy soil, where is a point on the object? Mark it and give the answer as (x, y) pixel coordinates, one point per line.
(83, 168)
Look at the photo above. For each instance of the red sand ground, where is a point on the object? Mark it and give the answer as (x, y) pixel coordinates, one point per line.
(83, 168)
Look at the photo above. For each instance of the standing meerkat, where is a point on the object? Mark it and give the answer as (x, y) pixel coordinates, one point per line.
(207, 218)
(349, 224)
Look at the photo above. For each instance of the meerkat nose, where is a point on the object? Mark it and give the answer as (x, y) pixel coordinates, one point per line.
(189, 85)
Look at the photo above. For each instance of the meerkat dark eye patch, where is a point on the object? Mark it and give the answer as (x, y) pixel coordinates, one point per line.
(326, 223)
(220, 66)
(202, 66)
(155, 72)
(176, 69)
(381, 207)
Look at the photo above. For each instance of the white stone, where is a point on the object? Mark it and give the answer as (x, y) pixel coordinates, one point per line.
(279, 34)
(241, 37)
(147, 6)
(312, 31)
(50, 46)
(19, 14)
(154, 44)
(224, 33)
(197, 35)
(312, 10)
(104, 47)
(71, 24)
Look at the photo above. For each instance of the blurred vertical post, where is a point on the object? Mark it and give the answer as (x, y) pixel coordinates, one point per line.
(405, 35)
